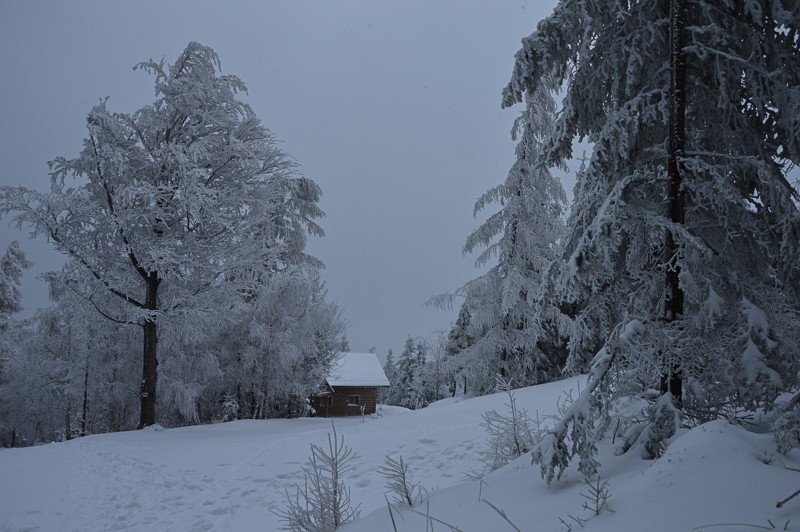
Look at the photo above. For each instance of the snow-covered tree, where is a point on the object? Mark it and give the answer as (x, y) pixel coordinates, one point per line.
(681, 250)
(323, 504)
(439, 368)
(514, 328)
(409, 385)
(385, 394)
(176, 209)
(282, 345)
(458, 339)
(68, 375)
(12, 266)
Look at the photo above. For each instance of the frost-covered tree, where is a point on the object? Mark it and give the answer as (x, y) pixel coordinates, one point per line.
(439, 368)
(68, 375)
(282, 344)
(459, 338)
(681, 250)
(408, 387)
(12, 266)
(176, 208)
(510, 434)
(385, 394)
(514, 328)
(323, 504)
(421, 374)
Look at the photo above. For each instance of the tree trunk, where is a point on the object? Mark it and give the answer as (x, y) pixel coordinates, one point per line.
(147, 414)
(671, 378)
(68, 420)
(113, 424)
(85, 405)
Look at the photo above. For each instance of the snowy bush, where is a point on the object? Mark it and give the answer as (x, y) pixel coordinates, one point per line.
(397, 482)
(651, 431)
(323, 504)
(230, 408)
(786, 426)
(511, 434)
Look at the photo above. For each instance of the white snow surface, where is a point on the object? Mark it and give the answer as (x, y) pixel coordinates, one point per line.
(357, 369)
(229, 476)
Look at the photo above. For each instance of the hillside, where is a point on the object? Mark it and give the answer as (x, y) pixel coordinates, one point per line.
(229, 476)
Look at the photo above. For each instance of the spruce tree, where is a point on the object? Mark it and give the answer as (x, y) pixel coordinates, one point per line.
(12, 265)
(680, 256)
(385, 395)
(408, 376)
(516, 330)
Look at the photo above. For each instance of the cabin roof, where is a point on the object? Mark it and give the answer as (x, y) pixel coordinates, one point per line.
(357, 369)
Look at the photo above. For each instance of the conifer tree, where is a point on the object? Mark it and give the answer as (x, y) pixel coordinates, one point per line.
(408, 376)
(682, 242)
(12, 266)
(458, 339)
(385, 395)
(516, 331)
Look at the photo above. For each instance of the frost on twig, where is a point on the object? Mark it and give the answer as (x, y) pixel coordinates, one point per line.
(510, 434)
(324, 502)
(396, 474)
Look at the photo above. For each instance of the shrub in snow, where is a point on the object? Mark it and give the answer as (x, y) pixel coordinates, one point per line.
(511, 434)
(651, 434)
(582, 422)
(230, 408)
(596, 496)
(324, 502)
(396, 474)
(786, 426)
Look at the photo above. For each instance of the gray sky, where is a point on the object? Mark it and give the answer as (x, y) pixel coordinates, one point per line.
(393, 107)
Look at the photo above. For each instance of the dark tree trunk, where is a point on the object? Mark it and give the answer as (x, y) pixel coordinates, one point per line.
(671, 378)
(85, 405)
(147, 414)
(68, 420)
(113, 424)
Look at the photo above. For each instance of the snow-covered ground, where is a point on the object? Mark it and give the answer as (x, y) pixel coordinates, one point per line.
(230, 475)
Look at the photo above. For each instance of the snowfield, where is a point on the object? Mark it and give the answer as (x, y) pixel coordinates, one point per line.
(229, 476)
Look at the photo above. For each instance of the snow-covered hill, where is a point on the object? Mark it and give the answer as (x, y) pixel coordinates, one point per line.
(230, 476)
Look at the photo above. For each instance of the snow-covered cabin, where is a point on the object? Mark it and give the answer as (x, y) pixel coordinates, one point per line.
(351, 385)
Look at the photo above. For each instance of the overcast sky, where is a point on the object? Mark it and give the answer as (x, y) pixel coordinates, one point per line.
(393, 107)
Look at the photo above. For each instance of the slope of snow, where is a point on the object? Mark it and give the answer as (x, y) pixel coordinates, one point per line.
(230, 476)
(711, 478)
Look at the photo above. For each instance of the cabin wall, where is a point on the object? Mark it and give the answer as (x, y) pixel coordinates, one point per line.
(339, 403)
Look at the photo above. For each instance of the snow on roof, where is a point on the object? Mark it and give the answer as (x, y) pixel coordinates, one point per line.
(357, 369)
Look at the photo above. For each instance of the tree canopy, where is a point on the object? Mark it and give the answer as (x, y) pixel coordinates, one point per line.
(180, 210)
